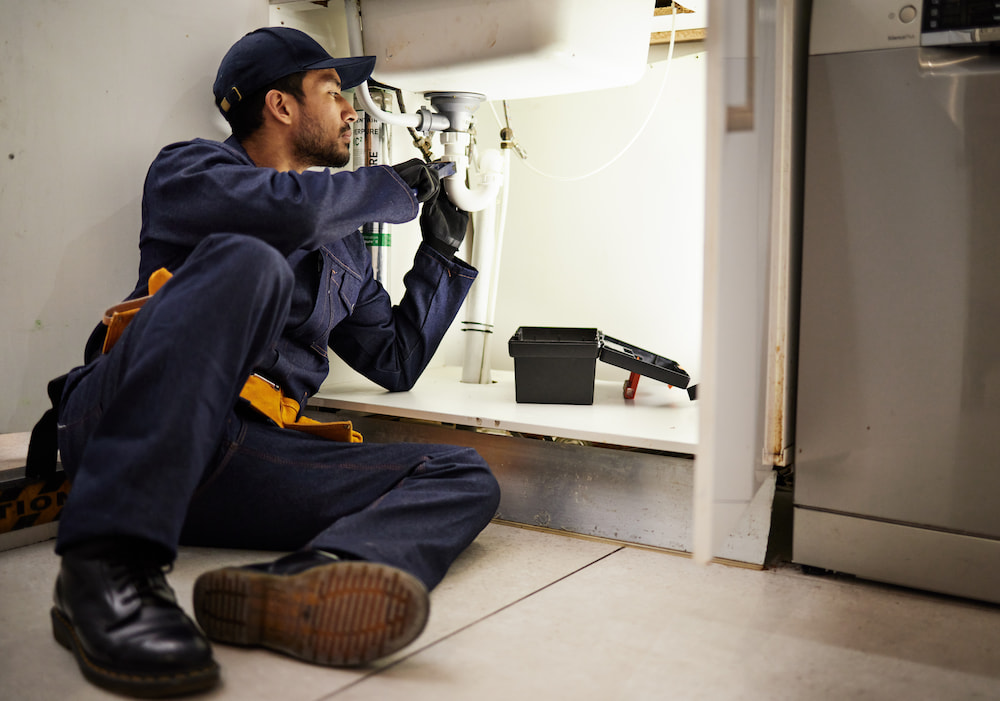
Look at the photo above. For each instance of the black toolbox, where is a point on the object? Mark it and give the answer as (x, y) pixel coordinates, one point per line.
(557, 365)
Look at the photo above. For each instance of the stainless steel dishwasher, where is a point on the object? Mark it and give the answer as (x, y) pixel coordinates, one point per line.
(898, 404)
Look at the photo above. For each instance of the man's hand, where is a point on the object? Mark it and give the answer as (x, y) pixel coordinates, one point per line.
(442, 224)
(421, 178)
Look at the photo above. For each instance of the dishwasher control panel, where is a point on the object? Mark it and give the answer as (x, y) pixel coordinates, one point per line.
(957, 22)
(841, 26)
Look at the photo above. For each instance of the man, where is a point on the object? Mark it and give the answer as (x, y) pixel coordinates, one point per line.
(184, 425)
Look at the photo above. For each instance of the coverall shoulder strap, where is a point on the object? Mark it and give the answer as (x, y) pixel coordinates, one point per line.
(43, 446)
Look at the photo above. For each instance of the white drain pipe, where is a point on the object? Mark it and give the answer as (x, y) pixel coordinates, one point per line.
(492, 172)
(481, 303)
(456, 144)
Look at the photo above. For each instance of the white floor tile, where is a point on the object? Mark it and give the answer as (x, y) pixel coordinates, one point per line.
(525, 614)
(501, 567)
(643, 625)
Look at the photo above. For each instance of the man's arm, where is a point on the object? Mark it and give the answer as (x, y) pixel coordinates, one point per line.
(197, 188)
(392, 345)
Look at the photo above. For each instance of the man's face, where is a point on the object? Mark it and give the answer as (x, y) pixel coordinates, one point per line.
(323, 137)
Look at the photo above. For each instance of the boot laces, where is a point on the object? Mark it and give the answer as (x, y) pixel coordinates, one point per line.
(143, 580)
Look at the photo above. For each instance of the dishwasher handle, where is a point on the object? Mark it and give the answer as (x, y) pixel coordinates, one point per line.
(958, 61)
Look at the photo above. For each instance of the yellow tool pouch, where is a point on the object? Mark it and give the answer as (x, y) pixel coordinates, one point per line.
(119, 316)
(264, 396)
(267, 398)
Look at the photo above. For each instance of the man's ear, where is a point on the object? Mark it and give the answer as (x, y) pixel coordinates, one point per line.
(281, 106)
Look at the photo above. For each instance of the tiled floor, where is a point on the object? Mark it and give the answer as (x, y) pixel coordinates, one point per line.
(531, 615)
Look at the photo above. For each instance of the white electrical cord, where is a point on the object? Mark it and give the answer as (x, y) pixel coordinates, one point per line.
(656, 102)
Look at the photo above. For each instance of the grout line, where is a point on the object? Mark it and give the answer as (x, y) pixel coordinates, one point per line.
(455, 632)
(624, 543)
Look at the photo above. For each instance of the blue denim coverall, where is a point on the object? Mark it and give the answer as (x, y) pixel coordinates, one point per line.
(269, 271)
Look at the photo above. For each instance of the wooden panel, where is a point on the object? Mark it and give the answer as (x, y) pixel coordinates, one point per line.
(691, 23)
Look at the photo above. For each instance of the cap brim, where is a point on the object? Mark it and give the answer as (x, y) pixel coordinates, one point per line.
(353, 71)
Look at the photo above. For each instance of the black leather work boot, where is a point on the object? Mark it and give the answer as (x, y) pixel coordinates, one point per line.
(121, 620)
(313, 606)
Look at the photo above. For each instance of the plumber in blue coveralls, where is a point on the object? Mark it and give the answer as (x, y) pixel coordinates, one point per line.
(185, 425)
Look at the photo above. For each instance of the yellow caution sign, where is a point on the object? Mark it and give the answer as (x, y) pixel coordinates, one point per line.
(25, 503)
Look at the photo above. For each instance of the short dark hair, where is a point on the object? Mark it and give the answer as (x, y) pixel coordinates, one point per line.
(247, 116)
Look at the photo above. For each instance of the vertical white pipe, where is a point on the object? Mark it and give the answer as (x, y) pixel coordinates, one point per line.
(483, 252)
(477, 331)
(478, 327)
(498, 245)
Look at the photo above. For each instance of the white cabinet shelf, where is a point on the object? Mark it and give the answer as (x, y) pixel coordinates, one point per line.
(659, 418)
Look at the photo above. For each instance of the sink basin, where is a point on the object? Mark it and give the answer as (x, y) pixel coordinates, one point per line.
(507, 49)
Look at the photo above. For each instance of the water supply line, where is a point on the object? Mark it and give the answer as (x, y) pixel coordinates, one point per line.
(663, 83)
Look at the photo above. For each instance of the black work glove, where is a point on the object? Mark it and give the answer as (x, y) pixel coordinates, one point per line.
(443, 225)
(421, 178)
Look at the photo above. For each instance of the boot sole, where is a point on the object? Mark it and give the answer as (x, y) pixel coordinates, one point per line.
(132, 683)
(343, 614)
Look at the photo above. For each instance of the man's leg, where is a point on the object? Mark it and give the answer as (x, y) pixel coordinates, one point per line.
(397, 514)
(138, 428)
(143, 424)
(410, 505)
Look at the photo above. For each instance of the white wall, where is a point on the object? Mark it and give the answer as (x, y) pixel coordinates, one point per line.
(621, 250)
(89, 92)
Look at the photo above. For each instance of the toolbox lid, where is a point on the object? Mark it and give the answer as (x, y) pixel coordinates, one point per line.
(635, 359)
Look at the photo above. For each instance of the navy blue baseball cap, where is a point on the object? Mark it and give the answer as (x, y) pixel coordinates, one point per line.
(265, 55)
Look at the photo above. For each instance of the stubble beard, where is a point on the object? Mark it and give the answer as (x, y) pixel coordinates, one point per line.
(314, 147)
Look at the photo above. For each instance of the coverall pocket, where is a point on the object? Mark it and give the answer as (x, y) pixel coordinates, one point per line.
(338, 292)
(348, 286)
(313, 331)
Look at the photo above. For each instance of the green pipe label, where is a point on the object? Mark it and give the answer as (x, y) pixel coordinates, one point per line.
(378, 238)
